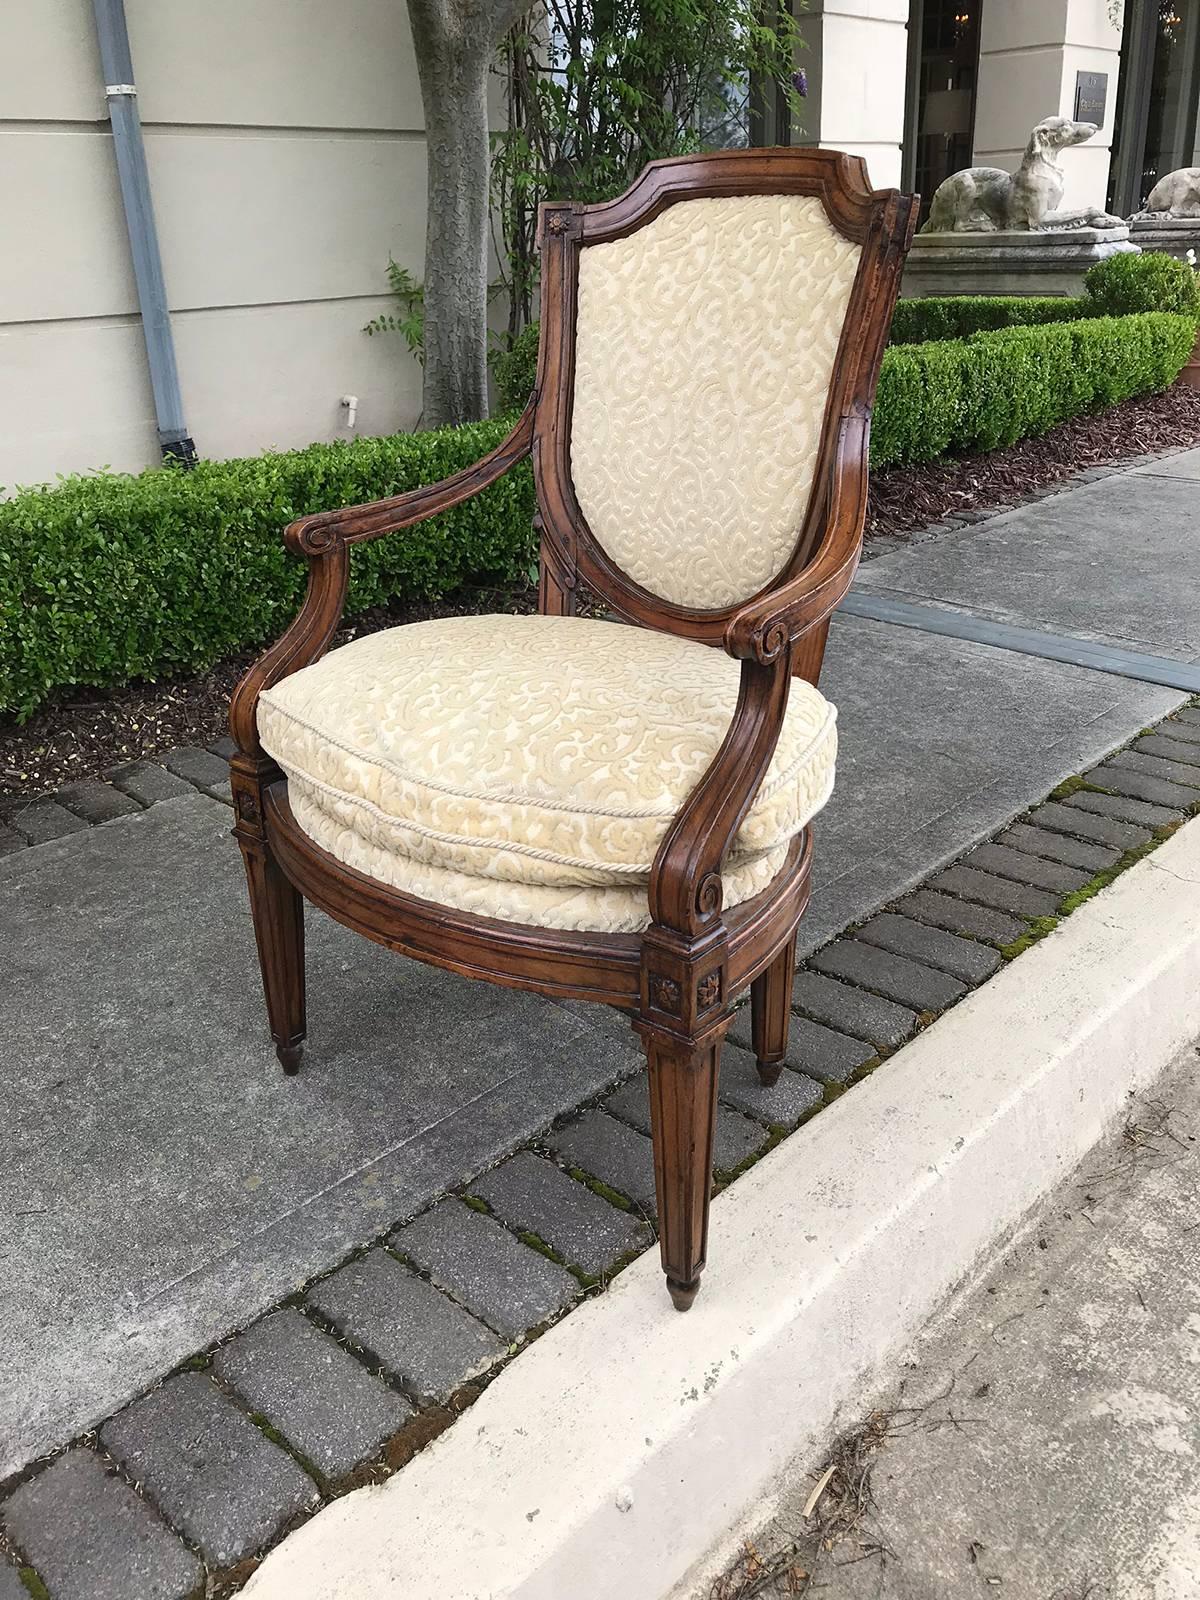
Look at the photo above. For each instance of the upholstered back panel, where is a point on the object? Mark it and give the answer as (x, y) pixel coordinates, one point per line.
(705, 344)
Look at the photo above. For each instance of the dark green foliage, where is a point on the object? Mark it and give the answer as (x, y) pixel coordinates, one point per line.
(992, 389)
(515, 371)
(109, 578)
(1150, 282)
(959, 316)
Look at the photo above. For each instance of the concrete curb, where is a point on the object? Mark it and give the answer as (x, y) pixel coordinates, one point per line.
(626, 1450)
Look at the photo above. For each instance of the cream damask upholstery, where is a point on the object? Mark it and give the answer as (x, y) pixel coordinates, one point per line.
(527, 767)
(705, 346)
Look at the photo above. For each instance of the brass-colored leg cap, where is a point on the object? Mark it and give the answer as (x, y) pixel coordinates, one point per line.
(683, 1293)
(289, 1057)
(768, 1072)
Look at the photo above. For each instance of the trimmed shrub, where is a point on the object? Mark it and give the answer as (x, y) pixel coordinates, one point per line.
(1153, 281)
(959, 316)
(995, 388)
(515, 371)
(113, 577)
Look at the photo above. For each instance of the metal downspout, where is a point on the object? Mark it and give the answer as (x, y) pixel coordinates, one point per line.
(117, 64)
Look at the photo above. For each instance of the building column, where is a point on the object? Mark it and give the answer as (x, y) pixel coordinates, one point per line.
(855, 62)
(1029, 54)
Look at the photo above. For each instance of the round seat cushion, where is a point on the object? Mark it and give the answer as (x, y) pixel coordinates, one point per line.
(548, 754)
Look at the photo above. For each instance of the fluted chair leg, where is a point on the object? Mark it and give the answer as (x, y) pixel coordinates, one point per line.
(771, 1013)
(278, 911)
(683, 1100)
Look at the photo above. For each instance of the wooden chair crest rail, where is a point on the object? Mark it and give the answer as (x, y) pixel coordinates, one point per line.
(710, 347)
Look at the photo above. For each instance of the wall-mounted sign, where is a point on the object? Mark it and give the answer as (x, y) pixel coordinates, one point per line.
(1091, 97)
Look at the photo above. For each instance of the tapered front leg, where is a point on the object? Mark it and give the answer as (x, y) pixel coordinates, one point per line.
(683, 1100)
(277, 908)
(771, 1013)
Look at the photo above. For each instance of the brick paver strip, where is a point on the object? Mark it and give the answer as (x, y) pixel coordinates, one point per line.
(611, 1151)
(147, 782)
(509, 1286)
(1171, 771)
(43, 820)
(1023, 868)
(1137, 786)
(735, 1137)
(1092, 858)
(415, 1333)
(787, 1102)
(1124, 809)
(893, 976)
(214, 1476)
(999, 893)
(960, 916)
(815, 1051)
(962, 958)
(326, 1404)
(200, 768)
(532, 1195)
(1178, 750)
(95, 801)
(853, 1011)
(90, 1537)
(11, 1587)
(223, 747)
(1082, 824)
(1180, 731)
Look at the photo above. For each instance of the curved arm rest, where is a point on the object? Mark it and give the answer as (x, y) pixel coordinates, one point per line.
(323, 540)
(312, 536)
(765, 627)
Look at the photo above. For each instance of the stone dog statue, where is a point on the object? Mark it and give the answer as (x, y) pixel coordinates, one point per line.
(988, 199)
(1176, 195)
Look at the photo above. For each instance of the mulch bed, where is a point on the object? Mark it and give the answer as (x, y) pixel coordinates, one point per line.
(89, 731)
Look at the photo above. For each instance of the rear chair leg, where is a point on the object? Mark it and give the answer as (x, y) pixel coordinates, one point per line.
(683, 1099)
(771, 1013)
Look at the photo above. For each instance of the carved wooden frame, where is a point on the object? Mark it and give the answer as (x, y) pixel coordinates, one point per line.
(679, 979)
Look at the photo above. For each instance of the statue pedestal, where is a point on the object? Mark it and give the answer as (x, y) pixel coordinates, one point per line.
(1010, 262)
(1175, 235)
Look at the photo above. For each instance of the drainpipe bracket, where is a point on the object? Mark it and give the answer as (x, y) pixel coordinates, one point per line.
(111, 89)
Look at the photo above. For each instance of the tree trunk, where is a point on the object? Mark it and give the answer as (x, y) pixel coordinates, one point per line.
(454, 74)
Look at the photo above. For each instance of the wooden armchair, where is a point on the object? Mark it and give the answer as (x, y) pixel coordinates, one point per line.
(568, 805)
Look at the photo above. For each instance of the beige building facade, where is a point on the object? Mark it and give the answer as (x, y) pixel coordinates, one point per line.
(286, 162)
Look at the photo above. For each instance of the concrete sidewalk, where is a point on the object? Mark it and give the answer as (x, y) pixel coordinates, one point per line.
(163, 1184)
(1045, 1441)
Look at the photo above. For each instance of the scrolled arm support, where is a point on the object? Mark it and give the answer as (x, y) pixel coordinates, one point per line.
(323, 540)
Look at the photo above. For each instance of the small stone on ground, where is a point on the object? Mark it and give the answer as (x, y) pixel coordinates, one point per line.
(532, 1195)
(327, 1406)
(502, 1281)
(415, 1333)
(212, 1473)
(89, 1537)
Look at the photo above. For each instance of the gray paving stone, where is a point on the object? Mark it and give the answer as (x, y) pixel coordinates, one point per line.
(1189, 715)
(224, 747)
(1171, 749)
(611, 1151)
(999, 893)
(509, 1286)
(785, 1104)
(532, 1195)
(893, 976)
(960, 916)
(413, 1331)
(147, 782)
(43, 820)
(1152, 766)
(95, 801)
(200, 768)
(1079, 822)
(814, 1051)
(1092, 858)
(1137, 786)
(89, 1537)
(1123, 808)
(1023, 868)
(853, 1011)
(734, 1138)
(1180, 730)
(962, 958)
(326, 1404)
(11, 1587)
(214, 1476)
(11, 840)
